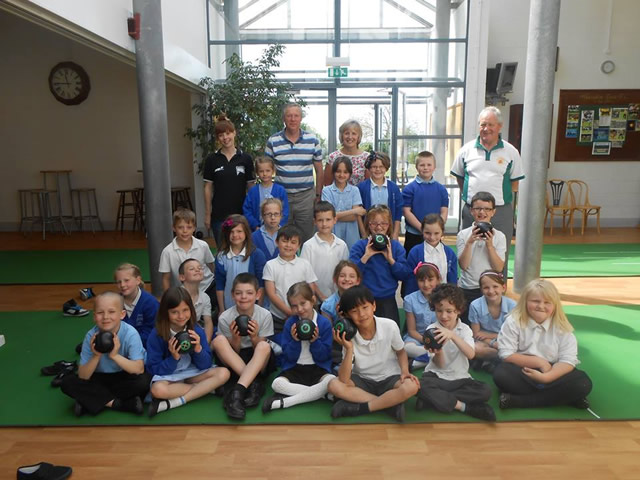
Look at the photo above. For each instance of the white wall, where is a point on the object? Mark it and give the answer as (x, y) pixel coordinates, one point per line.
(184, 29)
(582, 40)
(99, 140)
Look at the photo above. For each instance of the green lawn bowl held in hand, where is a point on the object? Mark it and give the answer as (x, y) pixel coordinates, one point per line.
(346, 326)
(379, 242)
(184, 341)
(305, 328)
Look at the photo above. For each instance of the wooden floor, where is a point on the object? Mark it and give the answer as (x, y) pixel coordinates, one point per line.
(534, 450)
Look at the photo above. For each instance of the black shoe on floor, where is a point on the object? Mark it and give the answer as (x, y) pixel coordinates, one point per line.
(44, 471)
(57, 380)
(505, 400)
(133, 405)
(57, 367)
(342, 408)
(483, 411)
(79, 348)
(254, 394)
(78, 409)
(582, 404)
(422, 404)
(153, 407)
(234, 404)
(268, 402)
(396, 412)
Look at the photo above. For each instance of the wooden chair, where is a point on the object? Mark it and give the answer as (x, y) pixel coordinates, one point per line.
(579, 193)
(559, 204)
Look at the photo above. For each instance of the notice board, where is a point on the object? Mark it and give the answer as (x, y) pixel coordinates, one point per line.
(598, 125)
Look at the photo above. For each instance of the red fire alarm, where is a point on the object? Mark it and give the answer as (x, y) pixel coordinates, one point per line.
(134, 26)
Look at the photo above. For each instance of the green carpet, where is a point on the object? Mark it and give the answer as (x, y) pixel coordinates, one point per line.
(608, 338)
(71, 266)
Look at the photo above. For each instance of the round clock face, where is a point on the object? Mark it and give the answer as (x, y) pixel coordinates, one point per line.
(69, 83)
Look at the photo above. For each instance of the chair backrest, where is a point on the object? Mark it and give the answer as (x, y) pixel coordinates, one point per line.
(556, 186)
(579, 192)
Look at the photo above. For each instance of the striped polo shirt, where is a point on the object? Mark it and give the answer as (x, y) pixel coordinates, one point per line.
(294, 161)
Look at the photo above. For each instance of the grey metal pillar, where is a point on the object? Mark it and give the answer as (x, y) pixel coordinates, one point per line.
(231, 28)
(544, 17)
(152, 101)
(393, 147)
(441, 70)
(332, 101)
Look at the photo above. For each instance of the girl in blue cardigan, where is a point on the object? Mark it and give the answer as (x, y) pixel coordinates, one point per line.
(265, 168)
(265, 237)
(381, 269)
(179, 377)
(140, 305)
(237, 255)
(306, 364)
(378, 190)
(432, 250)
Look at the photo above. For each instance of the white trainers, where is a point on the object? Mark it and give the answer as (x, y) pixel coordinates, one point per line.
(72, 309)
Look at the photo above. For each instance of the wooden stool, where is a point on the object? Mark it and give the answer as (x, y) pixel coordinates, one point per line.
(123, 203)
(180, 198)
(35, 207)
(141, 208)
(91, 203)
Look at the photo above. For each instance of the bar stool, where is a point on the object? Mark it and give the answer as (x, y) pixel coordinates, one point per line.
(141, 208)
(35, 207)
(91, 204)
(180, 198)
(123, 204)
(66, 176)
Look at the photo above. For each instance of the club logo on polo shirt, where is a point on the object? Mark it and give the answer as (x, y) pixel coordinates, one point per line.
(219, 169)
(239, 169)
(500, 160)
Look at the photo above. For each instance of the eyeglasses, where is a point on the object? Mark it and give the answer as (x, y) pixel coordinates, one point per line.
(272, 215)
(482, 209)
(383, 224)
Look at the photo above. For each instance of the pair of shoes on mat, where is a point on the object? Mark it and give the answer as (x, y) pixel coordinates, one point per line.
(57, 380)
(57, 367)
(71, 309)
(254, 394)
(132, 405)
(44, 471)
(233, 404)
(87, 293)
(482, 411)
(342, 408)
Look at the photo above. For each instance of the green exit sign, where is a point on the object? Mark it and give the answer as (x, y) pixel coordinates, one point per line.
(337, 72)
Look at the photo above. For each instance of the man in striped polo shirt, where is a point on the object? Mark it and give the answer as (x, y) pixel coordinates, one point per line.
(297, 154)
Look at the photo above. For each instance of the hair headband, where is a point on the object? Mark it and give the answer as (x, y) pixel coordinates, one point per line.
(490, 273)
(426, 264)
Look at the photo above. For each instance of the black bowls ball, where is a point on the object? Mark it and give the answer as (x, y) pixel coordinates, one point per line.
(346, 326)
(429, 340)
(242, 322)
(379, 242)
(104, 342)
(484, 228)
(305, 328)
(184, 341)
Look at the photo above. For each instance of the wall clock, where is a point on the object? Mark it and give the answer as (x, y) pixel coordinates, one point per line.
(69, 83)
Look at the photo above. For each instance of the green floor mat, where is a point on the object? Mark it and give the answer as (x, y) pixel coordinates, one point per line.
(608, 338)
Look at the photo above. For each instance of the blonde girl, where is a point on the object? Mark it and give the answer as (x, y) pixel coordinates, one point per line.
(539, 353)
(141, 306)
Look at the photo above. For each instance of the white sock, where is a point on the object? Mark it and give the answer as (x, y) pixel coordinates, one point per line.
(306, 394)
(283, 386)
(413, 350)
(171, 403)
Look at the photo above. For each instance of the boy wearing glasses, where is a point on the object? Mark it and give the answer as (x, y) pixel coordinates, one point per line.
(477, 250)
(324, 250)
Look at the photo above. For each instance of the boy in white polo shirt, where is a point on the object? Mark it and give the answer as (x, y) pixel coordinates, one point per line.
(374, 374)
(324, 250)
(283, 271)
(446, 384)
(478, 251)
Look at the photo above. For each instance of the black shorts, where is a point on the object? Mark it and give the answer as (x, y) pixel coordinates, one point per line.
(304, 374)
(246, 354)
(374, 387)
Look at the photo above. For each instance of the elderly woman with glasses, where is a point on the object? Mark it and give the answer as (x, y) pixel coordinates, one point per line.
(350, 134)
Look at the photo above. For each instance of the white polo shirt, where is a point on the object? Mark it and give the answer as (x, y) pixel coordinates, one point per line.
(542, 340)
(260, 315)
(285, 273)
(488, 170)
(173, 255)
(470, 277)
(376, 359)
(456, 363)
(323, 257)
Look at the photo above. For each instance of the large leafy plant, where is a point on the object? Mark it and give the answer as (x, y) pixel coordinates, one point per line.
(251, 98)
